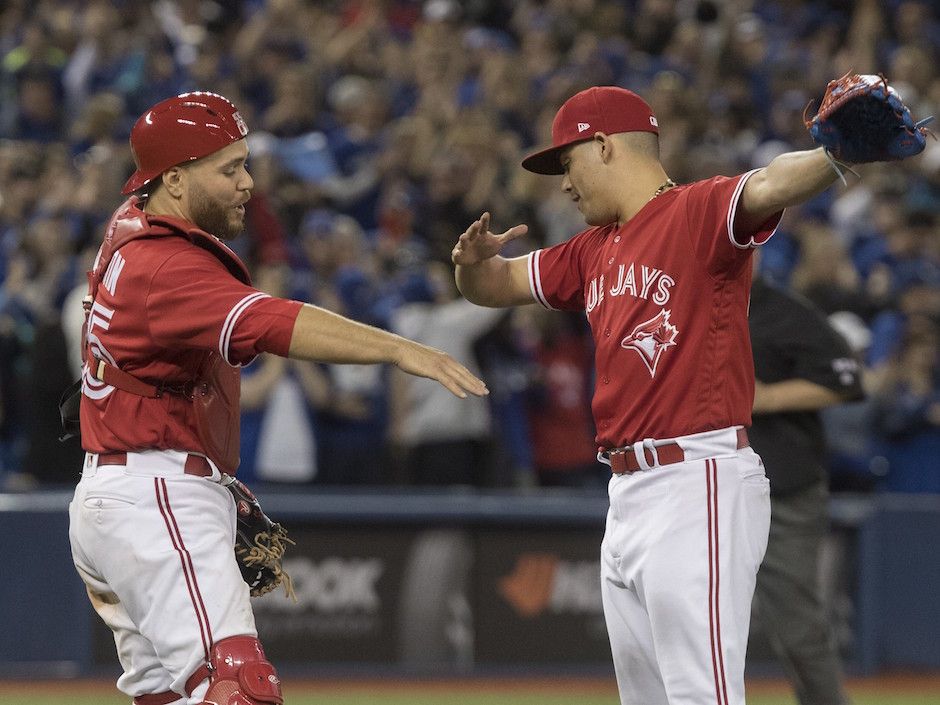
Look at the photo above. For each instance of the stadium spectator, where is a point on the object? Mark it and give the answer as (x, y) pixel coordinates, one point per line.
(908, 412)
(404, 116)
(559, 403)
(443, 444)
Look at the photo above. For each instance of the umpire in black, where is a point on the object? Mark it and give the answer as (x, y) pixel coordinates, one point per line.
(801, 365)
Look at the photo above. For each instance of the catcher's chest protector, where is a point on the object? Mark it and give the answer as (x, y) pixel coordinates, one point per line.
(215, 391)
(218, 416)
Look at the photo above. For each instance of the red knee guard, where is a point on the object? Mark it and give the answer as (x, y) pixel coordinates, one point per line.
(239, 674)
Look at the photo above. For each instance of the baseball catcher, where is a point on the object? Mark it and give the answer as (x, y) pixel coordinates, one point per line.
(259, 542)
(172, 316)
(862, 119)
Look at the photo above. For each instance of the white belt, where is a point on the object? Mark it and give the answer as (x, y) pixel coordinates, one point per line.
(645, 454)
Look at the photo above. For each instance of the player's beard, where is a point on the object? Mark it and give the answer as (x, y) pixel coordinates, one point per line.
(214, 217)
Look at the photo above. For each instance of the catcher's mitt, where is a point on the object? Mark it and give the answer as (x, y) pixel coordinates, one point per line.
(862, 119)
(259, 542)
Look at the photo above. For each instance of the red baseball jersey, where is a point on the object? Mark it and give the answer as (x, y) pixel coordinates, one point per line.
(162, 305)
(666, 295)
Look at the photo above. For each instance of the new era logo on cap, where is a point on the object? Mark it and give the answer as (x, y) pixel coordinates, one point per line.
(240, 123)
(607, 109)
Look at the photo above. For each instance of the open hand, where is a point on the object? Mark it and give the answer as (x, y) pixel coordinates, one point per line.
(424, 361)
(477, 243)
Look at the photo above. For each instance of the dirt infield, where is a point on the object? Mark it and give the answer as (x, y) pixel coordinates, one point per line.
(891, 683)
(894, 684)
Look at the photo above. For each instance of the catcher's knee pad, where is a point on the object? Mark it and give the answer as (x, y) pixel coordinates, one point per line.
(239, 674)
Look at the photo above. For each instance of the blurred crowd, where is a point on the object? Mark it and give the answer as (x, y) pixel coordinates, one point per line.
(380, 130)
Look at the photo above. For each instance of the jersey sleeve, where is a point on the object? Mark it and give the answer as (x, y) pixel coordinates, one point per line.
(194, 302)
(712, 206)
(556, 276)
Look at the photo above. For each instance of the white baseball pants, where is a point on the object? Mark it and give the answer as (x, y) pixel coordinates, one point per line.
(155, 548)
(678, 567)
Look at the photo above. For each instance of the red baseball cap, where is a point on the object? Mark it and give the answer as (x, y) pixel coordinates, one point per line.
(607, 109)
(180, 129)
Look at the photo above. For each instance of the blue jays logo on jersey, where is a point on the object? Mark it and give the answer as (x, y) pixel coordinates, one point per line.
(651, 338)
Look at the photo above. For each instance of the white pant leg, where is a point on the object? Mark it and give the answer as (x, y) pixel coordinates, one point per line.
(163, 546)
(687, 539)
(631, 639)
(143, 672)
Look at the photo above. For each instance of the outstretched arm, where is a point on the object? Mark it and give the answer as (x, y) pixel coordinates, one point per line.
(327, 337)
(789, 179)
(482, 276)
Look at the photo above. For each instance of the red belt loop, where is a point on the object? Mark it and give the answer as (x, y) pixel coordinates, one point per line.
(112, 459)
(623, 460)
(194, 465)
(197, 465)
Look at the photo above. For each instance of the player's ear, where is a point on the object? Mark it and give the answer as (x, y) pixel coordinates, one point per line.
(604, 145)
(173, 181)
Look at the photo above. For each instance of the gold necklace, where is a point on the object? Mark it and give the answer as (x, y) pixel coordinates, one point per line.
(669, 184)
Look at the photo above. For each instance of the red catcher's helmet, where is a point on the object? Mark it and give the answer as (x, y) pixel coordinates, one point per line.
(181, 129)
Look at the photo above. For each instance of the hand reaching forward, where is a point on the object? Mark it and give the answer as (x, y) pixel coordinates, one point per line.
(478, 243)
(423, 361)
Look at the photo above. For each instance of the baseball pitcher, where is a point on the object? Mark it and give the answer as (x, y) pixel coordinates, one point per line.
(663, 275)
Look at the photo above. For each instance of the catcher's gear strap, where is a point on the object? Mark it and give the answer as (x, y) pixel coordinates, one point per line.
(239, 674)
(116, 377)
(164, 698)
